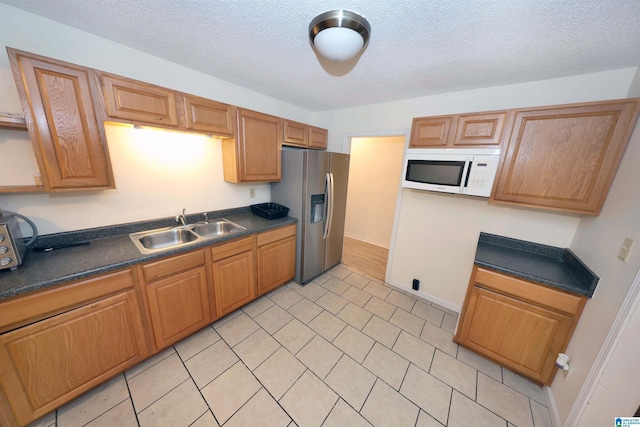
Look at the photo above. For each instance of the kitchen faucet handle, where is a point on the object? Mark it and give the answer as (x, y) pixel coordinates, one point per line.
(206, 217)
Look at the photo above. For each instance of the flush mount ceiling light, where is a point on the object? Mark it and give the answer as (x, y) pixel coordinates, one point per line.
(339, 35)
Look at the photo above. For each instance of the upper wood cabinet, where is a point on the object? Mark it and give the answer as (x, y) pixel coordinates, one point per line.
(135, 101)
(462, 130)
(67, 134)
(301, 135)
(565, 157)
(255, 153)
(205, 115)
(519, 324)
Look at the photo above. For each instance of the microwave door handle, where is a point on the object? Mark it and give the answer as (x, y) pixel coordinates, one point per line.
(466, 180)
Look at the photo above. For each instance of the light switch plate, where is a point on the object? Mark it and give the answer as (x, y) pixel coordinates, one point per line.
(625, 249)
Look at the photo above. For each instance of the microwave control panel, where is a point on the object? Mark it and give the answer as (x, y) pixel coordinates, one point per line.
(481, 176)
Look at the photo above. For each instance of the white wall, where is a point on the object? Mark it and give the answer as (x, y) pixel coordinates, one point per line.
(148, 186)
(597, 242)
(374, 177)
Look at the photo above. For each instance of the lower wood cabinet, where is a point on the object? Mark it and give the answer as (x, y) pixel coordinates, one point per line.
(177, 293)
(276, 258)
(233, 275)
(518, 324)
(49, 362)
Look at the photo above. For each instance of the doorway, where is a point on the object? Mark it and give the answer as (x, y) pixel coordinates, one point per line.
(374, 178)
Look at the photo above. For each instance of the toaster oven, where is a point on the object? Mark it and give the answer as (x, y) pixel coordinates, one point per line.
(12, 244)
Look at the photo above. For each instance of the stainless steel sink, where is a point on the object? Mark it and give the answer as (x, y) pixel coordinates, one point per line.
(216, 228)
(167, 239)
(160, 239)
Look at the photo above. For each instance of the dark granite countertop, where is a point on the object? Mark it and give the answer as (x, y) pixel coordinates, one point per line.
(548, 265)
(110, 248)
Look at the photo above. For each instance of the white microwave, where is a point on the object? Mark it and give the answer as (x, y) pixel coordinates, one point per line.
(451, 170)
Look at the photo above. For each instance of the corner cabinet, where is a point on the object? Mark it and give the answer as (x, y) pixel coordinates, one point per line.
(519, 324)
(178, 296)
(255, 154)
(458, 131)
(62, 342)
(565, 157)
(66, 130)
(276, 258)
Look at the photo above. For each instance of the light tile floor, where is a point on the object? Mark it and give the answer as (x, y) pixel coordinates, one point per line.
(345, 350)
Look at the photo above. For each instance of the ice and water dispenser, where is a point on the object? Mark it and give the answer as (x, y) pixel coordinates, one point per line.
(317, 208)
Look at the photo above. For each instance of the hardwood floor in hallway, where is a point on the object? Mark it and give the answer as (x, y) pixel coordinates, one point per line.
(365, 257)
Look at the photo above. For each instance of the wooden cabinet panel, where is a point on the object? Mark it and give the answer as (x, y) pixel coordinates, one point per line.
(139, 102)
(479, 129)
(295, 133)
(255, 154)
(21, 310)
(517, 334)
(518, 324)
(276, 264)
(172, 265)
(68, 139)
(430, 131)
(277, 234)
(205, 115)
(233, 282)
(318, 138)
(179, 306)
(234, 247)
(49, 362)
(565, 158)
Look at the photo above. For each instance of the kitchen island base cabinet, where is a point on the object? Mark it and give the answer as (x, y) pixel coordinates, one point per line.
(233, 275)
(47, 363)
(518, 324)
(276, 258)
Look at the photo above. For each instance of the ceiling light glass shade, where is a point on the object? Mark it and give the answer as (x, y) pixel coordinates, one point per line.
(339, 35)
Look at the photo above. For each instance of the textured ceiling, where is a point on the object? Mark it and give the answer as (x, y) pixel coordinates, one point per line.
(417, 48)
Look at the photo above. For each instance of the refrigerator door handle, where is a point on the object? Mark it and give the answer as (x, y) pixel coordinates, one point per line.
(327, 191)
(331, 191)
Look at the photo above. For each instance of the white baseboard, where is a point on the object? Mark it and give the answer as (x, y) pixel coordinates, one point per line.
(553, 408)
(362, 239)
(432, 298)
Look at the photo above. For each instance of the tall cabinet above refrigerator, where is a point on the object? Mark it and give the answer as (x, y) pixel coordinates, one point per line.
(314, 188)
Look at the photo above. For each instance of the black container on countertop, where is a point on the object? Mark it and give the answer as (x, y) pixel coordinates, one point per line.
(270, 210)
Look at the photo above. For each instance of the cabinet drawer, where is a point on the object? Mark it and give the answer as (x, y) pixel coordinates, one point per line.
(234, 247)
(278, 234)
(26, 309)
(536, 293)
(172, 265)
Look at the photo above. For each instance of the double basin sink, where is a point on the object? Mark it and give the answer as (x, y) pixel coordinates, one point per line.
(161, 239)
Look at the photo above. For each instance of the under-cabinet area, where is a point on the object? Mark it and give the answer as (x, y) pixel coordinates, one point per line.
(59, 341)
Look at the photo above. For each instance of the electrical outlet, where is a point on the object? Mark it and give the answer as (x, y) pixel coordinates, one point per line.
(252, 193)
(625, 249)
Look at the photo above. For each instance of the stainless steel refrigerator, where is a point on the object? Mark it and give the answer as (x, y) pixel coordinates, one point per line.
(314, 188)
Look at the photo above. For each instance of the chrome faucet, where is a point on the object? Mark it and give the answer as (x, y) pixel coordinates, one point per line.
(182, 218)
(206, 217)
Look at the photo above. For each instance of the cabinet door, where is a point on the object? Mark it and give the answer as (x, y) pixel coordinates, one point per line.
(521, 336)
(48, 363)
(179, 306)
(565, 158)
(479, 130)
(68, 139)
(233, 282)
(255, 155)
(318, 138)
(295, 133)
(139, 102)
(205, 115)
(430, 132)
(276, 264)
